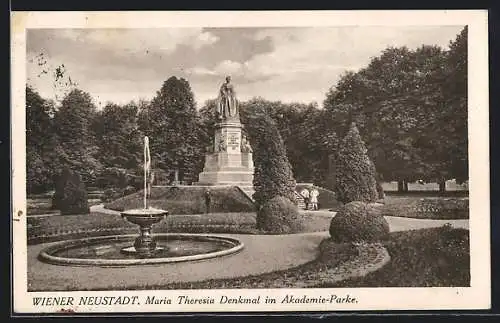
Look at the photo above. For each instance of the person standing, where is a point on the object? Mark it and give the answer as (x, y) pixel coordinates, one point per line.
(314, 198)
(305, 195)
(208, 199)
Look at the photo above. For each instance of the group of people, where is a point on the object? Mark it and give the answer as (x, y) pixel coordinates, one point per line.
(310, 196)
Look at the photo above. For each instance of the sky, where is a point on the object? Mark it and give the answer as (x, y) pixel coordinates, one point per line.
(286, 64)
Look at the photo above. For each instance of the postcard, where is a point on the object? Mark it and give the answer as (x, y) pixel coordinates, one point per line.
(249, 161)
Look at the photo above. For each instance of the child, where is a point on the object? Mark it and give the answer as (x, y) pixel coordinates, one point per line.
(305, 195)
(314, 198)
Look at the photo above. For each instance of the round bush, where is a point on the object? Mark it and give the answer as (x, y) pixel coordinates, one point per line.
(279, 215)
(359, 222)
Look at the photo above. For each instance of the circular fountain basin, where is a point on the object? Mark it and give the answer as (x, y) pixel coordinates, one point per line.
(108, 250)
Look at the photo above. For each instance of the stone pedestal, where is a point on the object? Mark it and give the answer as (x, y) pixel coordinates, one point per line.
(230, 162)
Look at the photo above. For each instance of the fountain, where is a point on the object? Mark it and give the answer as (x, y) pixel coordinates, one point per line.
(145, 244)
(118, 250)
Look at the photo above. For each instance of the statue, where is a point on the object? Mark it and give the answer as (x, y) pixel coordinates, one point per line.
(227, 105)
(245, 145)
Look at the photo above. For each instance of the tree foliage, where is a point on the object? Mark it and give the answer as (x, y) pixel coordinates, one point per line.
(172, 124)
(306, 134)
(74, 129)
(410, 107)
(42, 147)
(120, 145)
(273, 174)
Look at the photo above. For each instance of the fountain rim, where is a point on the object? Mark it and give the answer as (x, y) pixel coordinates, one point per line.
(46, 257)
(144, 212)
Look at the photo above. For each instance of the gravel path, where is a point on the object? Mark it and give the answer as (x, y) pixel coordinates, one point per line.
(262, 253)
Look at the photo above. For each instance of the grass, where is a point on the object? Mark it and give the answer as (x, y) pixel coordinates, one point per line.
(187, 200)
(437, 257)
(42, 205)
(435, 208)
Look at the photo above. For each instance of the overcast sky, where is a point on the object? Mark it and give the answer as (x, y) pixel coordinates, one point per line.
(287, 64)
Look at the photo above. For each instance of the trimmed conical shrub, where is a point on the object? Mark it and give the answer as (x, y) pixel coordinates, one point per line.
(273, 175)
(355, 173)
(71, 194)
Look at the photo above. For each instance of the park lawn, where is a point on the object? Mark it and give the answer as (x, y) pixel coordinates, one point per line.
(38, 205)
(426, 207)
(187, 200)
(437, 257)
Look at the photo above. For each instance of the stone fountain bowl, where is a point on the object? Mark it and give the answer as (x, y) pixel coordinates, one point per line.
(144, 217)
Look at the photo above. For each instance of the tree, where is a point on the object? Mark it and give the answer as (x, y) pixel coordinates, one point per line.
(120, 143)
(273, 174)
(355, 173)
(207, 121)
(450, 124)
(173, 128)
(393, 101)
(41, 142)
(74, 121)
(306, 134)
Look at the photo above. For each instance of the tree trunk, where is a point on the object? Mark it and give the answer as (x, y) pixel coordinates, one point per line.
(405, 188)
(400, 186)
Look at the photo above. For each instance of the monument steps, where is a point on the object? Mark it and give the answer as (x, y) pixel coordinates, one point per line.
(300, 201)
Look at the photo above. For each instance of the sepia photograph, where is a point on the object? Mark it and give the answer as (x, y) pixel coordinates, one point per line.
(251, 161)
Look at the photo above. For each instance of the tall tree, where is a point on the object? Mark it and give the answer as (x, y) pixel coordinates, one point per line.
(42, 147)
(74, 121)
(451, 141)
(174, 129)
(393, 101)
(120, 142)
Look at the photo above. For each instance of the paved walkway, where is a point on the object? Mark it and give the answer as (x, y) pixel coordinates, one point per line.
(262, 253)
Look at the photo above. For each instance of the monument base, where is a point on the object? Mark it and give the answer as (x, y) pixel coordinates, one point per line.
(227, 169)
(230, 160)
